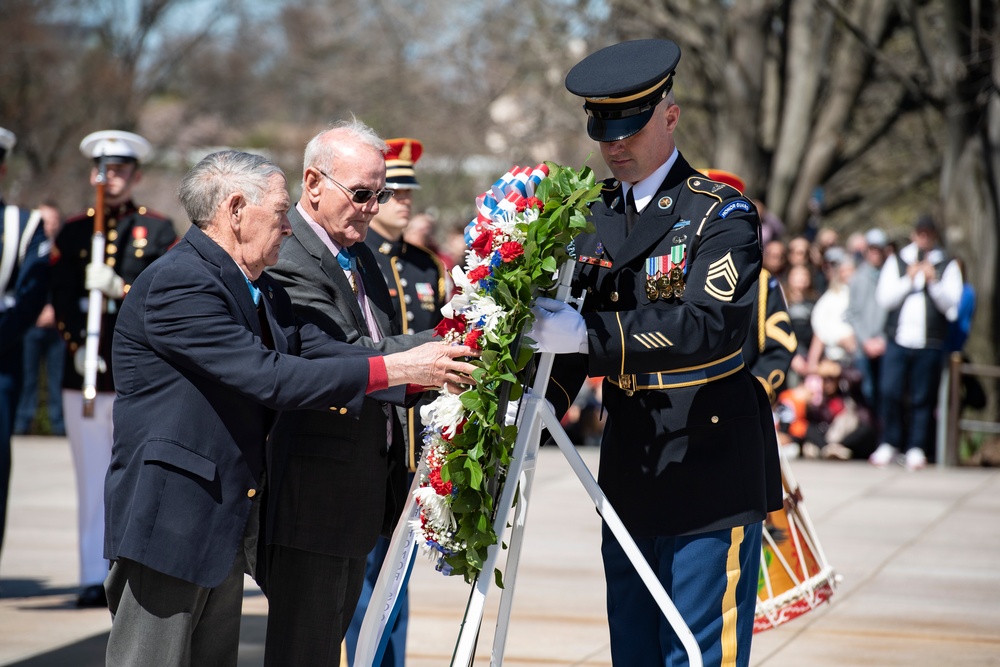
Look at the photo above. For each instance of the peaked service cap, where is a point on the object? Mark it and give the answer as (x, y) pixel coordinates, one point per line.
(621, 85)
(115, 144)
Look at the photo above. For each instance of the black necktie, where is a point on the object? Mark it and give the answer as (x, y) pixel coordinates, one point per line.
(631, 215)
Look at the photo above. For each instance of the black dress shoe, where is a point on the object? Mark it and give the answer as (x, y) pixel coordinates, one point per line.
(92, 596)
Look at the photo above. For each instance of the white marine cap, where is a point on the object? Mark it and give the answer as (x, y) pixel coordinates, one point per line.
(115, 143)
(7, 141)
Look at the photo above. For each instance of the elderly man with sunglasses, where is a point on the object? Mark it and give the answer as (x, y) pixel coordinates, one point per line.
(337, 481)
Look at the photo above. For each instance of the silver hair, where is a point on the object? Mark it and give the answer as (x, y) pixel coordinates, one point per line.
(323, 154)
(221, 174)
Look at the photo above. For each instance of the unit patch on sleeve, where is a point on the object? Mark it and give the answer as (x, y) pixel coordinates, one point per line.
(738, 205)
(720, 283)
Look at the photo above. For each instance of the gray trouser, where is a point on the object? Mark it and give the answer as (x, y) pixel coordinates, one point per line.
(164, 621)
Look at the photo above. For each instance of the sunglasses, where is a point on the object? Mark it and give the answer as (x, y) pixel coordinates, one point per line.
(362, 195)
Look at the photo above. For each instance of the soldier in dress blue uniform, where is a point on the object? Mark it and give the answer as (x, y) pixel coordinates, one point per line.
(416, 278)
(669, 278)
(134, 237)
(24, 280)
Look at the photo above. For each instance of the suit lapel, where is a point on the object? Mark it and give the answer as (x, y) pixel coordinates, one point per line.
(312, 244)
(371, 276)
(229, 273)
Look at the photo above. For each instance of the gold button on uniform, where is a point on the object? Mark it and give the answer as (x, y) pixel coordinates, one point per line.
(715, 419)
(343, 411)
(614, 296)
(112, 235)
(251, 493)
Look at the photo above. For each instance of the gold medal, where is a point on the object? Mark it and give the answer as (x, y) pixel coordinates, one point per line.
(651, 292)
(676, 275)
(679, 289)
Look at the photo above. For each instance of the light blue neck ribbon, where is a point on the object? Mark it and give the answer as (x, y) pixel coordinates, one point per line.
(346, 259)
(255, 292)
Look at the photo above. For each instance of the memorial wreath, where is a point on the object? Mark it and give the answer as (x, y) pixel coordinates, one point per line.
(516, 245)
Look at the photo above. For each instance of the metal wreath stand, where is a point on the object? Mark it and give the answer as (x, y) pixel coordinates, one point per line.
(395, 571)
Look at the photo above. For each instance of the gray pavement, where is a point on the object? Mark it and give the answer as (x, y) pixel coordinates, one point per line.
(919, 556)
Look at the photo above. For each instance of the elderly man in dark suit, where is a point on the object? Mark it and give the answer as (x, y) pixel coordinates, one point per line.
(207, 353)
(336, 483)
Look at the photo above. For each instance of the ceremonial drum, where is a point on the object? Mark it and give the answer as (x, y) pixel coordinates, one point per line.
(794, 573)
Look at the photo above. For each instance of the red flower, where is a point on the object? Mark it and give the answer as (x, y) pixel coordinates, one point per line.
(478, 273)
(472, 338)
(535, 202)
(441, 487)
(458, 430)
(483, 245)
(510, 251)
(449, 324)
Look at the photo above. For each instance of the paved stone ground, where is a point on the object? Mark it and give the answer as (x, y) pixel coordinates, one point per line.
(919, 555)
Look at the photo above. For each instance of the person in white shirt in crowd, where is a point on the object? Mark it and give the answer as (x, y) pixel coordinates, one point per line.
(833, 337)
(920, 288)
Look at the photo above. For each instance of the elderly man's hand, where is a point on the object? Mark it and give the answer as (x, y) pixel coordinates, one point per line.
(431, 365)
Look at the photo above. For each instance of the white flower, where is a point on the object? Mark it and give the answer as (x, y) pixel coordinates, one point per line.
(460, 302)
(485, 309)
(436, 509)
(445, 412)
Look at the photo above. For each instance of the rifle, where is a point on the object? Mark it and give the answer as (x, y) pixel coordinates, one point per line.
(95, 308)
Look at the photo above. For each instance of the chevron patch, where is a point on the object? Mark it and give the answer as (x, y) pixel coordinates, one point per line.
(720, 283)
(652, 340)
(779, 329)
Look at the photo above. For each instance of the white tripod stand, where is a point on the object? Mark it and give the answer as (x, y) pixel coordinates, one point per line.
(536, 414)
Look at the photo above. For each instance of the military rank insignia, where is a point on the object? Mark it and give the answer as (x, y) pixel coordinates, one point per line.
(720, 283)
(665, 273)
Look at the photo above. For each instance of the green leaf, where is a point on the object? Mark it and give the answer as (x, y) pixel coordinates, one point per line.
(498, 578)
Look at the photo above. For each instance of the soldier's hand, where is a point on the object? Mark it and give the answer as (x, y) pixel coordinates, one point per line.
(558, 328)
(431, 365)
(103, 277)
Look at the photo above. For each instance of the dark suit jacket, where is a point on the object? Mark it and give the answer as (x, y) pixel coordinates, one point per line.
(699, 456)
(198, 393)
(333, 485)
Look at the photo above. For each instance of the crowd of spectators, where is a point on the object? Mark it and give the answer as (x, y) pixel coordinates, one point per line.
(875, 318)
(863, 383)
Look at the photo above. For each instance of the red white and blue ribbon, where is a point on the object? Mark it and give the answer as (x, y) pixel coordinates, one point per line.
(504, 196)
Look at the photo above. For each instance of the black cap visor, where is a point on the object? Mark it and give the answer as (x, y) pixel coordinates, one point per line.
(601, 128)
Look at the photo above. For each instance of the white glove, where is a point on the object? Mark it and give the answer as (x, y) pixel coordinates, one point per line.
(511, 413)
(558, 328)
(512, 409)
(104, 278)
(80, 360)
